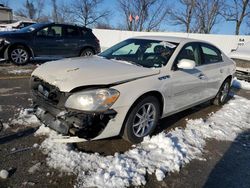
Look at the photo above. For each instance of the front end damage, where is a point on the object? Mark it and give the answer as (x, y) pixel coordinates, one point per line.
(242, 69)
(49, 108)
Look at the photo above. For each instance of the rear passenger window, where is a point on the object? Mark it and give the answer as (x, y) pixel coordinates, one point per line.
(71, 32)
(210, 54)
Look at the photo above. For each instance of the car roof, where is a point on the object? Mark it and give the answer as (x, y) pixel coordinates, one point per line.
(168, 38)
(63, 24)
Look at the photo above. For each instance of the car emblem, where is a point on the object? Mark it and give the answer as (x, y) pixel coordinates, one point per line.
(70, 70)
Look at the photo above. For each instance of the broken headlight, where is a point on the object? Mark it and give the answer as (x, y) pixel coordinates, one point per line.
(94, 100)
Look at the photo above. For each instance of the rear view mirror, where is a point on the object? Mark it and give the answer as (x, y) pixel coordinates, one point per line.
(186, 64)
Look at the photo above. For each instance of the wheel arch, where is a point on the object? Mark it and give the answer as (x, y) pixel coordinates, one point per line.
(30, 51)
(86, 47)
(153, 93)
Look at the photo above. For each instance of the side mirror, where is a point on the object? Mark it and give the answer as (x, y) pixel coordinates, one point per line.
(186, 64)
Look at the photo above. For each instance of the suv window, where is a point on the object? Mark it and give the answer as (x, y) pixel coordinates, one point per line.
(210, 54)
(71, 31)
(51, 31)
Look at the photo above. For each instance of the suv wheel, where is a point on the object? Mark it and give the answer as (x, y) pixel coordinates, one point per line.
(222, 95)
(19, 55)
(142, 119)
(87, 52)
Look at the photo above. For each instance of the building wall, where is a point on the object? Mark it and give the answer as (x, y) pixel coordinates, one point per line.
(225, 42)
(5, 16)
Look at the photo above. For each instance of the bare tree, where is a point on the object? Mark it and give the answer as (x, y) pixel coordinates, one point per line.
(54, 11)
(4, 2)
(144, 14)
(33, 10)
(207, 14)
(103, 26)
(88, 12)
(237, 11)
(184, 15)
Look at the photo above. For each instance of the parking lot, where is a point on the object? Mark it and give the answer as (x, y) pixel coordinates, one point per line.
(224, 163)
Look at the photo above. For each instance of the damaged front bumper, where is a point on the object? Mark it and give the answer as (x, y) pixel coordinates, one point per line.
(242, 69)
(243, 74)
(75, 126)
(50, 110)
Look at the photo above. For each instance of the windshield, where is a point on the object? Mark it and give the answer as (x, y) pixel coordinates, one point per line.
(31, 28)
(146, 53)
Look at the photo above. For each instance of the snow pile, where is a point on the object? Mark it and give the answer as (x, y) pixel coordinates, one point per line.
(241, 84)
(21, 71)
(160, 154)
(26, 117)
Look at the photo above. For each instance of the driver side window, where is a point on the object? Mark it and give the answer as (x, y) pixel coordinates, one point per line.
(51, 31)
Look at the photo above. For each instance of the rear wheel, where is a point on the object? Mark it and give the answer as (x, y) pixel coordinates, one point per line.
(142, 119)
(19, 55)
(87, 52)
(222, 95)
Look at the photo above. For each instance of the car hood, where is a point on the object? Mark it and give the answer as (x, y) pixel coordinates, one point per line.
(11, 33)
(68, 74)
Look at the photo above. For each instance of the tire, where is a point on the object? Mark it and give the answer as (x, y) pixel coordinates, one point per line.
(19, 55)
(222, 95)
(87, 52)
(141, 119)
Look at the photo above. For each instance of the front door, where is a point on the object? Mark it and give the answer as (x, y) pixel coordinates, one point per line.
(49, 42)
(186, 86)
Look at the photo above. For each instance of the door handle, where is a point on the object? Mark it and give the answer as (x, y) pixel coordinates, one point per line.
(59, 40)
(202, 76)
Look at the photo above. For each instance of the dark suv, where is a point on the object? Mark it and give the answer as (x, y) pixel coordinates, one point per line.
(47, 40)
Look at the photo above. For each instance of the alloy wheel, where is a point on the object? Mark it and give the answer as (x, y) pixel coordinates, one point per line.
(224, 92)
(19, 56)
(144, 120)
(87, 53)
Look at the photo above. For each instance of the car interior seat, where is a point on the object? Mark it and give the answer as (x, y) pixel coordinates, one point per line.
(51, 32)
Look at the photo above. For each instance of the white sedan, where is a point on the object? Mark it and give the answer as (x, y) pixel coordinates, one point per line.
(126, 89)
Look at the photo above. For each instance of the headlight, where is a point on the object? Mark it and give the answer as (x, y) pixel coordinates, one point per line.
(94, 100)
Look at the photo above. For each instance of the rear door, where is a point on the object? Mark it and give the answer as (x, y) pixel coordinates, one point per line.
(187, 86)
(213, 66)
(72, 40)
(48, 41)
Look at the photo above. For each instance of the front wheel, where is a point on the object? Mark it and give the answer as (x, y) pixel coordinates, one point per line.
(19, 55)
(223, 93)
(142, 119)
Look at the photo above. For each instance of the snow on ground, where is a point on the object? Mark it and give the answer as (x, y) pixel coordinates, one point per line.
(159, 155)
(26, 117)
(20, 71)
(241, 84)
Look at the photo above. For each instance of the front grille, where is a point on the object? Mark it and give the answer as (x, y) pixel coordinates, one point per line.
(45, 91)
